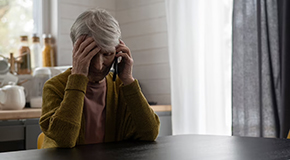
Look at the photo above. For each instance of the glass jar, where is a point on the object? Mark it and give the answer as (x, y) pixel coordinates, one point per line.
(40, 76)
(36, 55)
(48, 57)
(24, 57)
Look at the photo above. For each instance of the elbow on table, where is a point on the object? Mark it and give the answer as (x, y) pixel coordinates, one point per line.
(154, 136)
(151, 135)
(61, 133)
(154, 132)
(66, 145)
(57, 143)
(53, 140)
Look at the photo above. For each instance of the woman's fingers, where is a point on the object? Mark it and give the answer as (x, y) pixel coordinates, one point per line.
(83, 52)
(122, 42)
(78, 42)
(124, 52)
(92, 53)
(125, 58)
(89, 48)
(84, 44)
(126, 64)
(124, 49)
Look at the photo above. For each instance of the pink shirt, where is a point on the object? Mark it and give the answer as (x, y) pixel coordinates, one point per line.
(95, 112)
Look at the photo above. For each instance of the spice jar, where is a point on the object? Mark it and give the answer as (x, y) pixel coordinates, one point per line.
(36, 55)
(48, 56)
(24, 57)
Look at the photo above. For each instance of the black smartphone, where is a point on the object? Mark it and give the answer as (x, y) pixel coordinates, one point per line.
(115, 68)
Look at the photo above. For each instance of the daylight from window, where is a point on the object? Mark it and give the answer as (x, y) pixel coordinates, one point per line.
(16, 19)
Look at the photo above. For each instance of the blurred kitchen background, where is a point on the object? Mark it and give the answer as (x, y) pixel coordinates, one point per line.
(187, 83)
(36, 45)
(217, 67)
(143, 26)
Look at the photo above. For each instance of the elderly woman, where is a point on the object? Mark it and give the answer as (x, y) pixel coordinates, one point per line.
(84, 104)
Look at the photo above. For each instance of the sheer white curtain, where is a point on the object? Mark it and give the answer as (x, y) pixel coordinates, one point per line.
(199, 35)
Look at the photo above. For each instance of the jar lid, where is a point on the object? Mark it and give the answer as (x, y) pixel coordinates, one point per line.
(35, 38)
(47, 38)
(24, 38)
(41, 71)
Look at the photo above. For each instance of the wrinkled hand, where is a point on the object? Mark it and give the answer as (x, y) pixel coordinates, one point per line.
(125, 67)
(84, 50)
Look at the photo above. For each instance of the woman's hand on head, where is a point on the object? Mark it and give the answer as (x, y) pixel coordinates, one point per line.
(84, 50)
(125, 67)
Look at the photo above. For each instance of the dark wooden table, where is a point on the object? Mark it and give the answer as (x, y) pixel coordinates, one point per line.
(198, 147)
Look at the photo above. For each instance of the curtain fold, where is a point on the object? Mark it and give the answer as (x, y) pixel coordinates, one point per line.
(256, 80)
(284, 37)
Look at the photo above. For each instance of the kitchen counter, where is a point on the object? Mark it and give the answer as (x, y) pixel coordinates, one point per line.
(25, 113)
(28, 113)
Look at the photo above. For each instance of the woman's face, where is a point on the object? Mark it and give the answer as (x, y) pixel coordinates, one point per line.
(100, 65)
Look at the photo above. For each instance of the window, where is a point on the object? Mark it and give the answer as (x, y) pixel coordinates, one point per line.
(17, 17)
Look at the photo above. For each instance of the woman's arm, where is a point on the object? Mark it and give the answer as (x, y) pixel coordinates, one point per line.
(144, 123)
(63, 104)
(62, 110)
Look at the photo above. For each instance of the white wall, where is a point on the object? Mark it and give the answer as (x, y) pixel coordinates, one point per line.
(144, 30)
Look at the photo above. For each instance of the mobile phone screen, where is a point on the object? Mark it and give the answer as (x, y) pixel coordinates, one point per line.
(115, 68)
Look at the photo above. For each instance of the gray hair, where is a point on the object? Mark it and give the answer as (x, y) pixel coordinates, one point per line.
(98, 24)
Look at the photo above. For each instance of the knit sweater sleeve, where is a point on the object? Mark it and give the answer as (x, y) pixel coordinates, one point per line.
(144, 122)
(62, 110)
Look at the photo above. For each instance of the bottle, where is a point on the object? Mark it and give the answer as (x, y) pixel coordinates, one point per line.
(36, 55)
(24, 56)
(48, 57)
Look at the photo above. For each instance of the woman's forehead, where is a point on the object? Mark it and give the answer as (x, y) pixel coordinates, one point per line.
(108, 50)
(103, 50)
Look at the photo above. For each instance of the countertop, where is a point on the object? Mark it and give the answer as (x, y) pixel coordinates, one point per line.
(28, 113)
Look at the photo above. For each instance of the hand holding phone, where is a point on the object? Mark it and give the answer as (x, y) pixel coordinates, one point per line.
(125, 66)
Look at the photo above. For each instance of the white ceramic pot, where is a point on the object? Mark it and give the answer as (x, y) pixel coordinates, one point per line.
(12, 97)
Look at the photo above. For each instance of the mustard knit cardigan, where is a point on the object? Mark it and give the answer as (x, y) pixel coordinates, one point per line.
(128, 115)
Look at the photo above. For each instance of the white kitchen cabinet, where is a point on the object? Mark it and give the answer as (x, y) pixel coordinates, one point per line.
(165, 123)
(19, 134)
